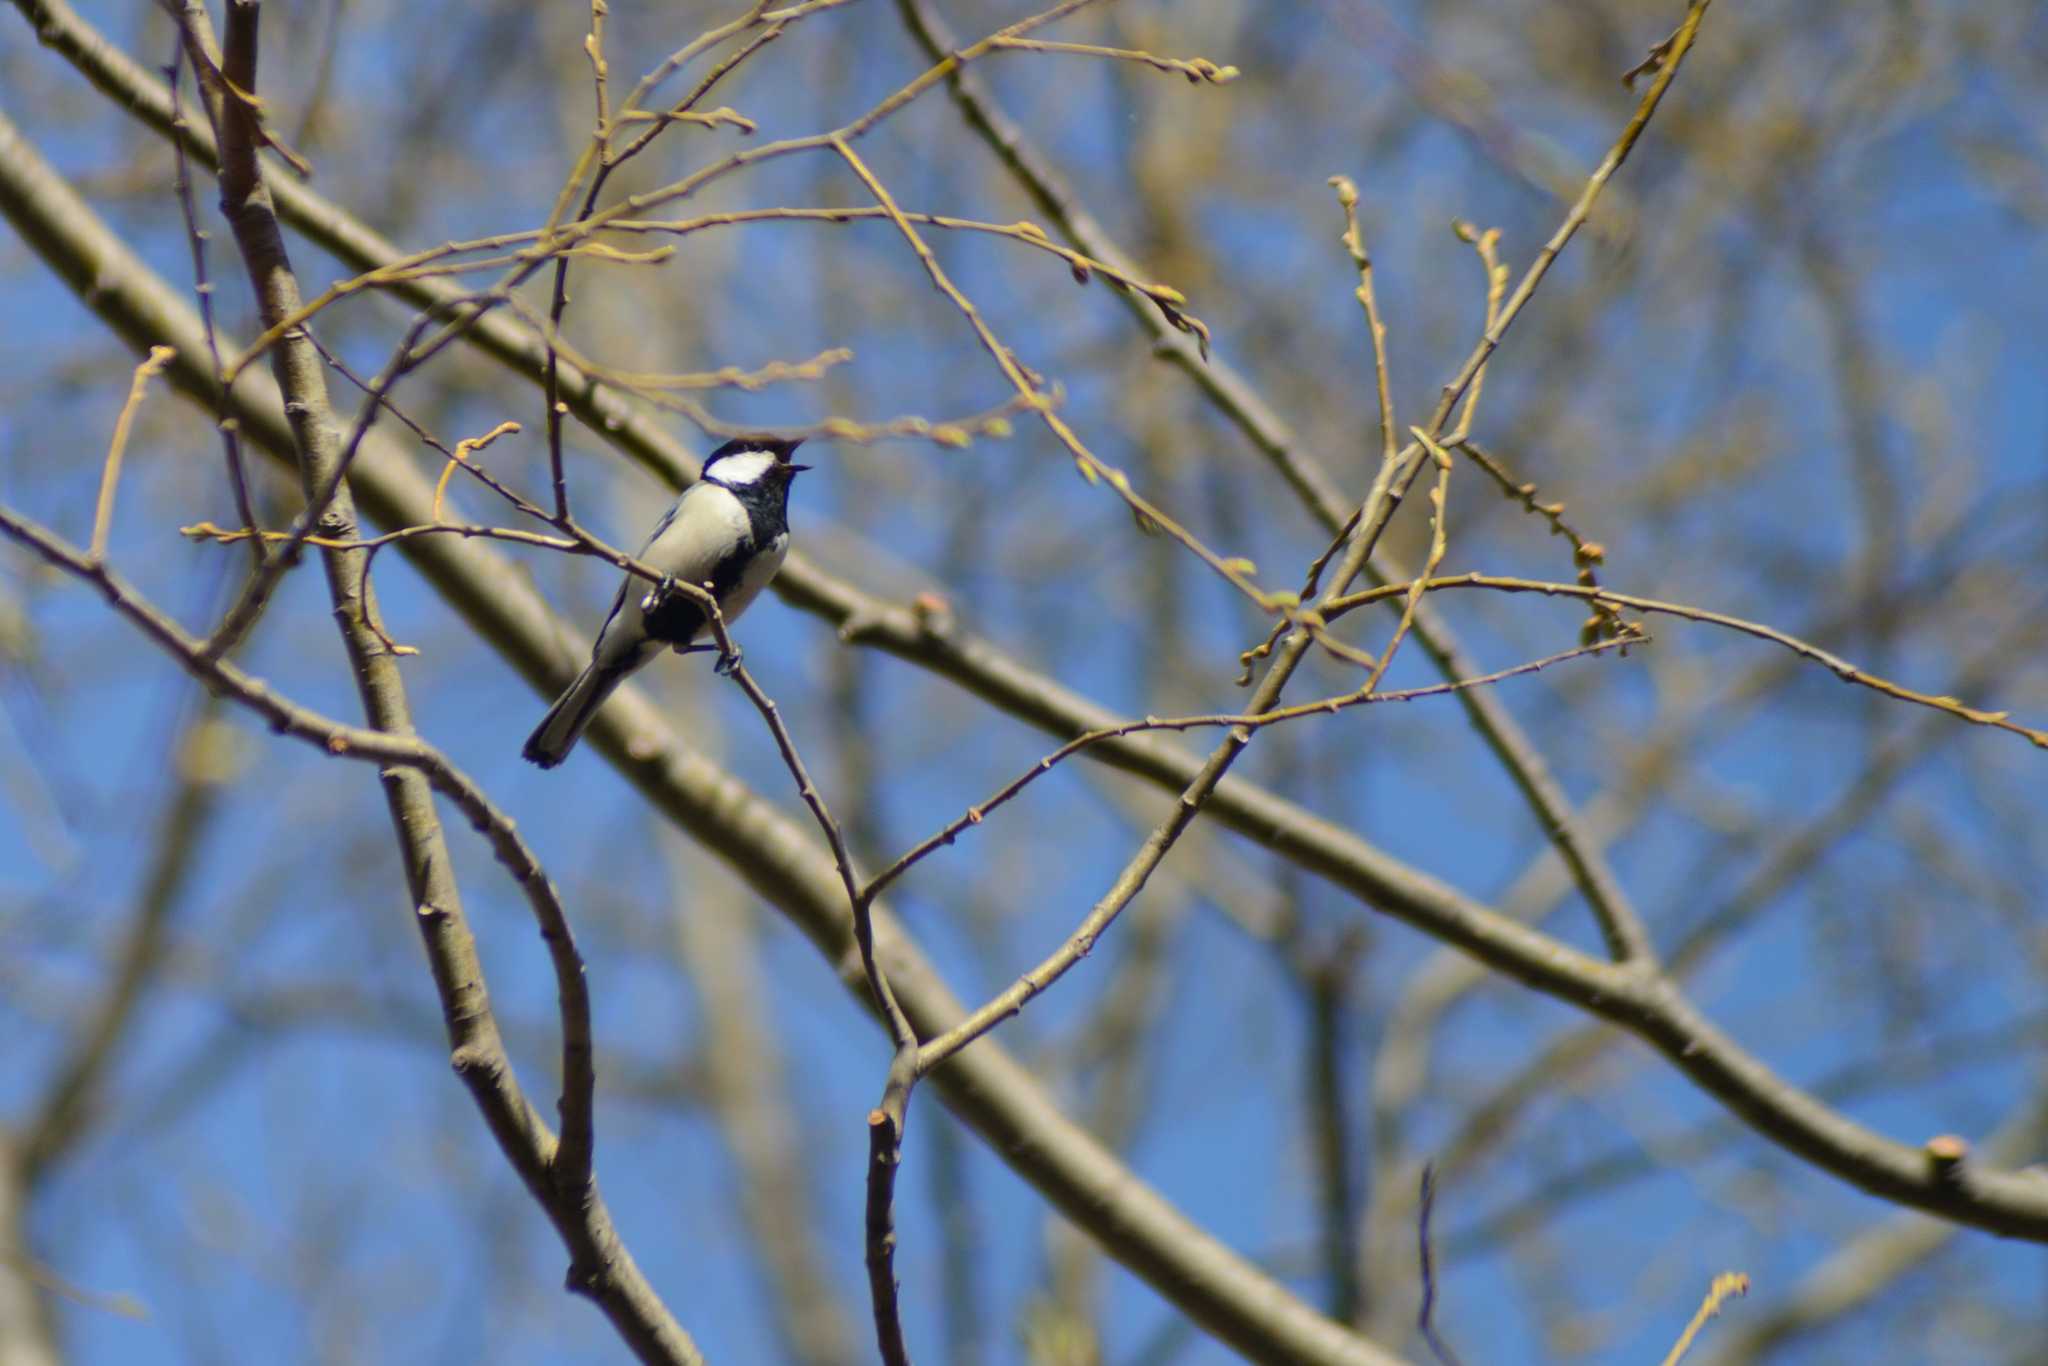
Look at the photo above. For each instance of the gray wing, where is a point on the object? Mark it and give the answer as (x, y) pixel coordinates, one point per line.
(691, 558)
(598, 649)
(667, 520)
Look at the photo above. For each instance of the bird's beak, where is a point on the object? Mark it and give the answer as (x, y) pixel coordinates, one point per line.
(795, 469)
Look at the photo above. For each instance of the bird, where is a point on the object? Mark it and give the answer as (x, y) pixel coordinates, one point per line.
(728, 531)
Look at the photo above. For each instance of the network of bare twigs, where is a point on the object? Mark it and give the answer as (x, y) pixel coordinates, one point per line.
(589, 229)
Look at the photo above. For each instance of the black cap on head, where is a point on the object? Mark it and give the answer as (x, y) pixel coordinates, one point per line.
(779, 447)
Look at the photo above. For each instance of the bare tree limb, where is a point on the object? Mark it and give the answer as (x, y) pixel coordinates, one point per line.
(602, 1268)
(559, 1172)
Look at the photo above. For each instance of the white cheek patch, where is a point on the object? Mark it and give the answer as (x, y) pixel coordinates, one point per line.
(746, 467)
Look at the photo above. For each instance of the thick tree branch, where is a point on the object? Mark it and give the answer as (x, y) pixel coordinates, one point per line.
(559, 1172)
(603, 1268)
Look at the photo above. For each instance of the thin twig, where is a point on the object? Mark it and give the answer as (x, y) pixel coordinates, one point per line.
(1425, 1316)
(321, 500)
(110, 472)
(1587, 554)
(887, 1121)
(885, 1158)
(484, 477)
(434, 262)
(220, 535)
(1237, 572)
(1439, 546)
(202, 289)
(1486, 245)
(1198, 69)
(1680, 44)
(1186, 347)
(600, 69)
(900, 1032)
(978, 813)
(1835, 664)
(1726, 1285)
(1354, 242)
(459, 458)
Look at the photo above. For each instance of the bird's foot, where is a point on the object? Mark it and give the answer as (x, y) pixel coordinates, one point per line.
(728, 660)
(659, 594)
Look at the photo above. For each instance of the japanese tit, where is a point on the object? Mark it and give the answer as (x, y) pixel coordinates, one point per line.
(730, 530)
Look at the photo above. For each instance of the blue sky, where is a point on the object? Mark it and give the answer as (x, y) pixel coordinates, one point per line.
(286, 1168)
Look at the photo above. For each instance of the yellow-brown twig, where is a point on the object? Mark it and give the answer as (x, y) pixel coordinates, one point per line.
(110, 473)
(1487, 244)
(1234, 570)
(1196, 69)
(1727, 1284)
(1439, 546)
(1834, 663)
(1587, 555)
(722, 117)
(220, 535)
(600, 69)
(1354, 242)
(460, 456)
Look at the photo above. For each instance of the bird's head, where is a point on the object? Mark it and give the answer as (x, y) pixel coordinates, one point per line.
(750, 459)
